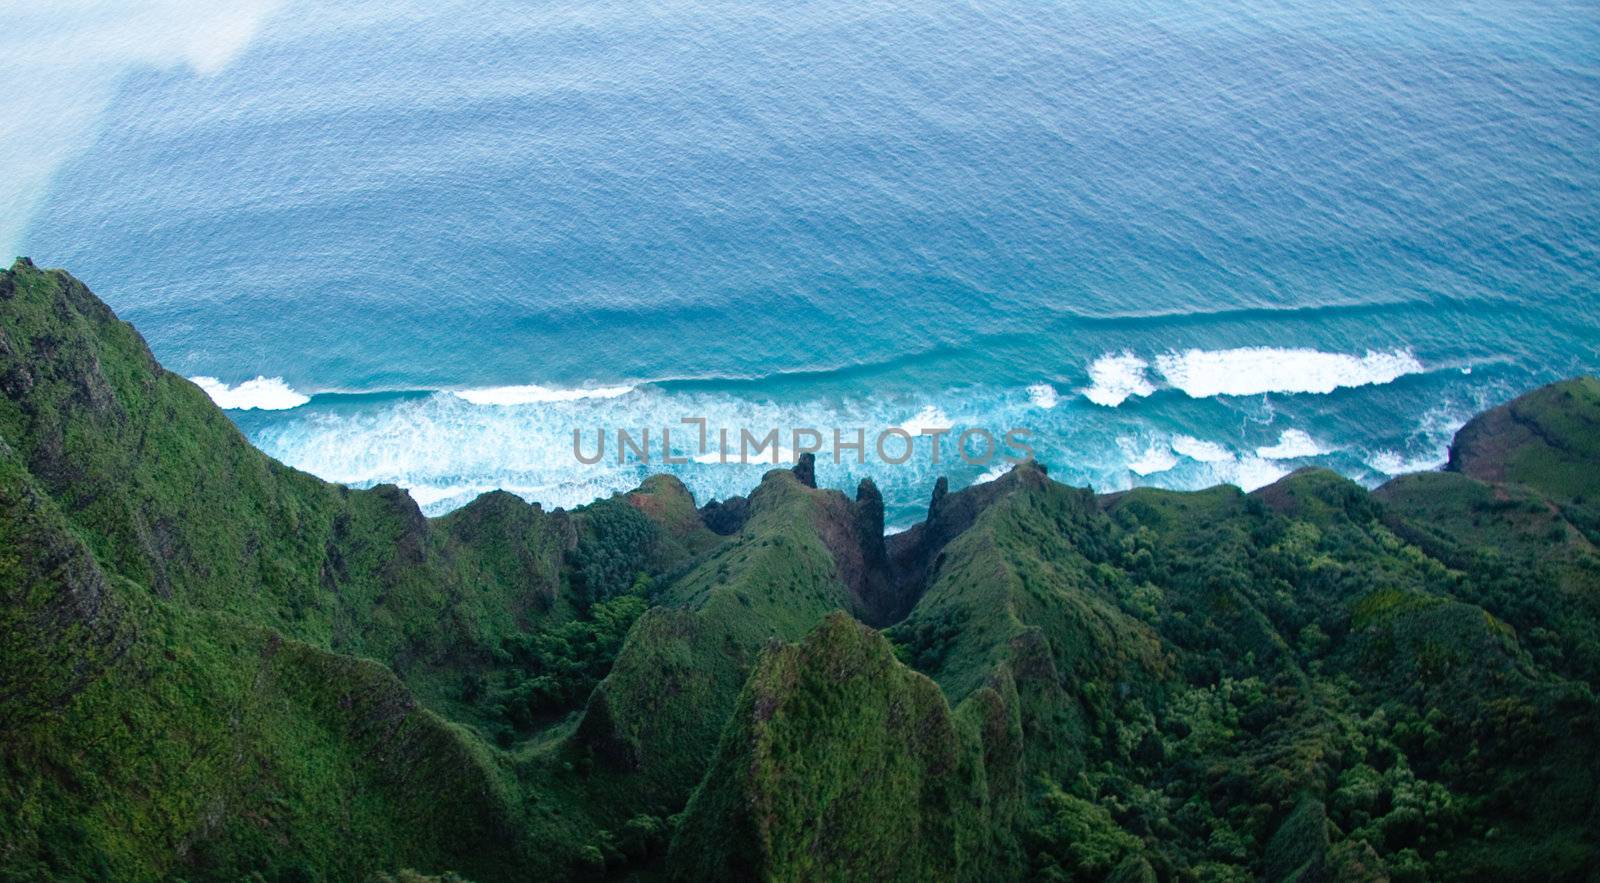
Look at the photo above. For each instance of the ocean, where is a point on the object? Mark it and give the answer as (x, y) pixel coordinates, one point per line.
(1180, 243)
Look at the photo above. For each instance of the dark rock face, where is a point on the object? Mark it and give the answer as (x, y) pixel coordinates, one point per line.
(805, 469)
(853, 533)
(882, 598)
(838, 525)
(869, 522)
(412, 540)
(1479, 447)
(913, 554)
(726, 517)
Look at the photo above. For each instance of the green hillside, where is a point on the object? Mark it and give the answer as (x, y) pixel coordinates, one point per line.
(213, 666)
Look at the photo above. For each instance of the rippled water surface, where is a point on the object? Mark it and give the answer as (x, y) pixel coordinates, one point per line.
(1181, 242)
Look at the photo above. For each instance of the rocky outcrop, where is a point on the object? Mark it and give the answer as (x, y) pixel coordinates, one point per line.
(913, 554)
(805, 469)
(726, 517)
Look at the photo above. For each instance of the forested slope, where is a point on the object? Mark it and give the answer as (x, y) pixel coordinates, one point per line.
(215, 666)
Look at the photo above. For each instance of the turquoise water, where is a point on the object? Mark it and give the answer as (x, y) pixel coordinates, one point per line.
(1182, 243)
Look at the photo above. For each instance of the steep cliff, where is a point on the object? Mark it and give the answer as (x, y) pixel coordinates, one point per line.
(213, 666)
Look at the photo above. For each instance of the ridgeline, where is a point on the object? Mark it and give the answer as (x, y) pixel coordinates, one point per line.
(213, 666)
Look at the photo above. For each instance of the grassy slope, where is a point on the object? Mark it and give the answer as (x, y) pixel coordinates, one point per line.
(1019, 594)
(158, 738)
(189, 558)
(1548, 440)
(169, 495)
(655, 719)
(1531, 563)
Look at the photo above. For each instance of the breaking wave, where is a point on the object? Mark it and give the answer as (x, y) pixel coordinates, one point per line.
(1245, 371)
(1114, 378)
(1249, 371)
(534, 394)
(1293, 444)
(262, 393)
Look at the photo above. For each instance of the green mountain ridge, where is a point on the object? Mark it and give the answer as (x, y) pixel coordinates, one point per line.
(213, 666)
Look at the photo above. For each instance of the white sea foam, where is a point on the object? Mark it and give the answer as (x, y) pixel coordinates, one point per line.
(993, 473)
(1152, 461)
(930, 417)
(1429, 446)
(1292, 444)
(262, 393)
(531, 394)
(1263, 369)
(1149, 458)
(752, 454)
(1201, 451)
(1043, 395)
(431, 495)
(1113, 378)
(1400, 463)
(1188, 463)
(1254, 472)
(447, 449)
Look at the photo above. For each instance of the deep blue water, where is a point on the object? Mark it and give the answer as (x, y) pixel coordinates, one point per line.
(841, 214)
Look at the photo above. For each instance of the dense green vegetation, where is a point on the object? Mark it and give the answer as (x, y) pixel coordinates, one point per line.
(553, 668)
(216, 667)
